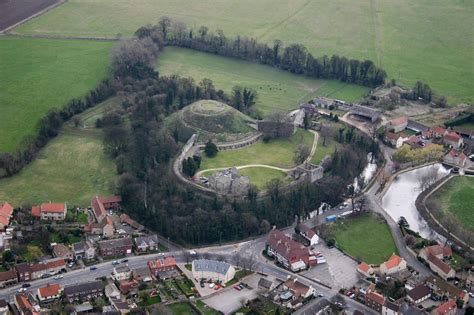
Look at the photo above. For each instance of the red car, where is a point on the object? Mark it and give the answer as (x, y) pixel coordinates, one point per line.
(238, 288)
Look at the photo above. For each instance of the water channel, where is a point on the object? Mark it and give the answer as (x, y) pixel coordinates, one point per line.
(399, 200)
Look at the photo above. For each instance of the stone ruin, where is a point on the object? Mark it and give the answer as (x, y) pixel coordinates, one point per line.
(230, 182)
(307, 171)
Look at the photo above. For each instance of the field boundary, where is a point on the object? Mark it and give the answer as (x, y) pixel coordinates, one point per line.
(37, 14)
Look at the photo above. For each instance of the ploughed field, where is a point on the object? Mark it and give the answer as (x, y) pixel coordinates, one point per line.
(276, 89)
(429, 40)
(14, 11)
(39, 74)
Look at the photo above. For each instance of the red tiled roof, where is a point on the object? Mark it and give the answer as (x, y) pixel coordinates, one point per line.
(398, 121)
(438, 130)
(363, 267)
(36, 211)
(445, 307)
(6, 211)
(452, 136)
(288, 248)
(111, 199)
(437, 250)
(306, 229)
(61, 250)
(53, 207)
(393, 261)
(439, 263)
(298, 288)
(391, 136)
(376, 297)
(23, 302)
(169, 261)
(7, 275)
(49, 290)
(98, 207)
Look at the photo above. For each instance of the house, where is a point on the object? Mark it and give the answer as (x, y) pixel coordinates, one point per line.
(49, 293)
(104, 227)
(416, 126)
(4, 308)
(323, 102)
(394, 139)
(50, 211)
(441, 288)
(29, 271)
(120, 306)
(452, 140)
(26, 304)
(419, 294)
(391, 308)
(439, 251)
(438, 132)
(83, 250)
(147, 243)
(398, 124)
(454, 157)
(84, 291)
(375, 301)
(415, 142)
(100, 205)
(365, 269)
(292, 255)
(440, 267)
(212, 269)
(297, 292)
(122, 272)
(115, 247)
(8, 278)
(83, 308)
(162, 265)
(142, 274)
(447, 308)
(266, 285)
(6, 213)
(393, 265)
(62, 251)
(308, 234)
(128, 286)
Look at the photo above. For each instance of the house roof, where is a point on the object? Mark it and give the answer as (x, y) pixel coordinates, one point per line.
(306, 229)
(457, 155)
(392, 306)
(286, 247)
(419, 292)
(439, 263)
(26, 303)
(7, 275)
(452, 136)
(84, 287)
(363, 267)
(297, 287)
(446, 307)
(36, 211)
(445, 286)
(61, 250)
(98, 207)
(49, 290)
(376, 297)
(118, 242)
(210, 266)
(437, 250)
(398, 121)
(365, 111)
(53, 207)
(438, 130)
(264, 283)
(147, 240)
(6, 211)
(45, 265)
(169, 261)
(393, 261)
(111, 199)
(391, 136)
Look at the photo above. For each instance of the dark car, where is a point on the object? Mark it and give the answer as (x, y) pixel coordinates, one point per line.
(124, 260)
(26, 285)
(93, 268)
(46, 275)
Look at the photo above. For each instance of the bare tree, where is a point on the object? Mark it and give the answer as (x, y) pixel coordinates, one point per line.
(325, 132)
(302, 152)
(428, 179)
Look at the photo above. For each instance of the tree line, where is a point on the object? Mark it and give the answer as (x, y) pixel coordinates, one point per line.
(294, 58)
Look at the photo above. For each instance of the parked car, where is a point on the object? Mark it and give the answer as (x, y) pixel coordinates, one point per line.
(211, 285)
(46, 275)
(57, 277)
(26, 285)
(124, 260)
(115, 262)
(93, 268)
(21, 290)
(238, 288)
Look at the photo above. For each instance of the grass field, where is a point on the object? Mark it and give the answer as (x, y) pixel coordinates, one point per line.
(71, 168)
(429, 40)
(38, 74)
(366, 237)
(181, 308)
(323, 150)
(278, 152)
(456, 197)
(277, 90)
(260, 176)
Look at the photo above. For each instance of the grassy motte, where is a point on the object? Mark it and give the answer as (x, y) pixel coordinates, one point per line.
(366, 237)
(39, 74)
(429, 40)
(277, 152)
(277, 89)
(455, 196)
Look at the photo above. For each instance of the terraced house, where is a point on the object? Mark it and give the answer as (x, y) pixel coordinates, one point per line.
(28, 271)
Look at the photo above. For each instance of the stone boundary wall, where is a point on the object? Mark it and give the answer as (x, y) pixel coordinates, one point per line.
(235, 145)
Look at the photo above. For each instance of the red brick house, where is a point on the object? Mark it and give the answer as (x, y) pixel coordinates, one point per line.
(161, 264)
(28, 271)
(375, 301)
(6, 212)
(8, 278)
(447, 308)
(100, 205)
(115, 247)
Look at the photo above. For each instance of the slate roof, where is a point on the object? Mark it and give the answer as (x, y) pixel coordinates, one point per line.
(211, 266)
(83, 287)
(419, 292)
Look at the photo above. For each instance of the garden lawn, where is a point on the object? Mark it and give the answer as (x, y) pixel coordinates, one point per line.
(276, 89)
(323, 150)
(365, 237)
(260, 176)
(455, 196)
(277, 152)
(181, 308)
(72, 168)
(150, 301)
(429, 40)
(39, 74)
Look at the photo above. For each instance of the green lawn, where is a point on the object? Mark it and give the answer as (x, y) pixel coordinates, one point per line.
(323, 150)
(185, 287)
(182, 308)
(71, 239)
(429, 40)
(278, 152)
(150, 301)
(456, 197)
(366, 237)
(277, 90)
(39, 74)
(260, 176)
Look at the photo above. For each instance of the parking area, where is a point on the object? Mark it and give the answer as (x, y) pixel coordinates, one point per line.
(229, 299)
(339, 271)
